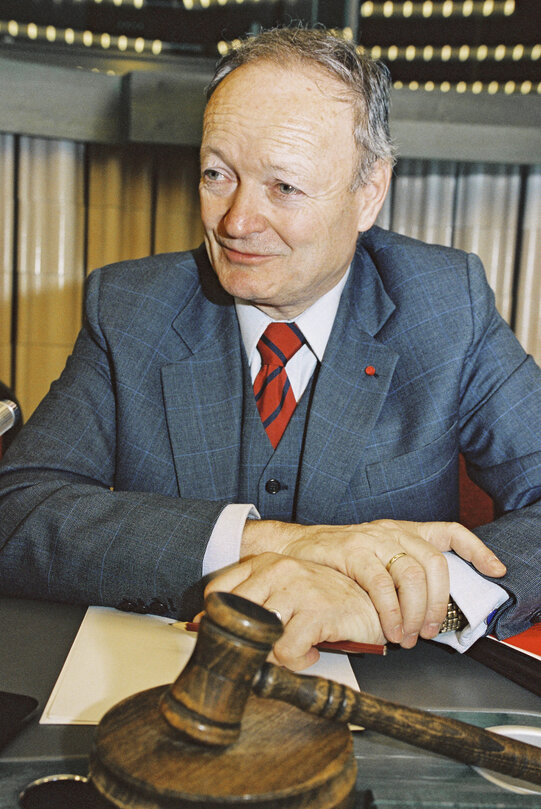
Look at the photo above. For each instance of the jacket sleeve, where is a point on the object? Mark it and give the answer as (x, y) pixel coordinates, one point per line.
(66, 532)
(500, 429)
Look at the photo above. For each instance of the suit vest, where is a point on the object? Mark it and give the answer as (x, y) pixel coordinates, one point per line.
(268, 477)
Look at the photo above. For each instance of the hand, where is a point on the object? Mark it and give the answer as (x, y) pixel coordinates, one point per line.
(411, 597)
(316, 603)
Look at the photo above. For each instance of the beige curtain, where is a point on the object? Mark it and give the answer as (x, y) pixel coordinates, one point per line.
(119, 203)
(50, 261)
(177, 224)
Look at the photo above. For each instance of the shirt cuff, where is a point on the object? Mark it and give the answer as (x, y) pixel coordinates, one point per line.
(223, 548)
(477, 598)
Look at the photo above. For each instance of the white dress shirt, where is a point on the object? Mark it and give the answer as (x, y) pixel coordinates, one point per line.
(223, 548)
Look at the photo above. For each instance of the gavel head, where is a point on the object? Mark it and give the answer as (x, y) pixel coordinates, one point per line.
(206, 703)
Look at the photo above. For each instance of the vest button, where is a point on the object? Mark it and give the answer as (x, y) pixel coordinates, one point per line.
(273, 486)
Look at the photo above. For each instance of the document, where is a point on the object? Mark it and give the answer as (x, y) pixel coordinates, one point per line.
(116, 654)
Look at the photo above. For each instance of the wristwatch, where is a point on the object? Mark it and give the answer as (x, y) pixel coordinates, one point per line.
(455, 618)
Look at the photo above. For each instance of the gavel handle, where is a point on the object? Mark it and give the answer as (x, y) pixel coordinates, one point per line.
(458, 740)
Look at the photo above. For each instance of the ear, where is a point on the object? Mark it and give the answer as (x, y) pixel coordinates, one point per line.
(371, 195)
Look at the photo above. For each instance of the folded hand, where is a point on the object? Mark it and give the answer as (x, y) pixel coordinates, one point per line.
(411, 594)
(316, 603)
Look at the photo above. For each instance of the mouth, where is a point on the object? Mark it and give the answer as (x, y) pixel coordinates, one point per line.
(243, 256)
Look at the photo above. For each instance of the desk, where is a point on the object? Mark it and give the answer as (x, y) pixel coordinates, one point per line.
(36, 637)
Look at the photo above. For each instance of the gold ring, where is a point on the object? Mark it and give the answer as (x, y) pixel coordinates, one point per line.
(393, 559)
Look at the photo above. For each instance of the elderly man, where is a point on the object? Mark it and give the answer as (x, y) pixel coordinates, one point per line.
(304, 367)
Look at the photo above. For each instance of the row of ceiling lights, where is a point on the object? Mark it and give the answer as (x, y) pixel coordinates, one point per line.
(461, 53)
(87, 38)
(476, 87)
(188, 4)
(410, 53)
(427, 53)
(447, 8)
(387, 8)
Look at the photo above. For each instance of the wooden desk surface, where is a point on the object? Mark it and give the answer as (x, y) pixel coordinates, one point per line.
(36, 637)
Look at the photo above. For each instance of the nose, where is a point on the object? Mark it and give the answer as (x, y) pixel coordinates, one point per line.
(243, 216)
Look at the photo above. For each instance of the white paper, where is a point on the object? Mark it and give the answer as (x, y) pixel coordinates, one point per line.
(116, 654)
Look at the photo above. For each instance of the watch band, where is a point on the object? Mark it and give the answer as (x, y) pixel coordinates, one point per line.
(455, 618)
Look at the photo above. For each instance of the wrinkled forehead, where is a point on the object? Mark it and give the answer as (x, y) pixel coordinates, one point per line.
(266, 91)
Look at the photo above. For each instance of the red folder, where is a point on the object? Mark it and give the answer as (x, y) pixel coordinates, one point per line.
(518, 658)
(528, 642)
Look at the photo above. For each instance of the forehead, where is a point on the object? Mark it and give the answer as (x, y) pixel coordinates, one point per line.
(295, 106)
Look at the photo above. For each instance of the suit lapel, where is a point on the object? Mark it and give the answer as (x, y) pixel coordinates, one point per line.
(346, 401)
(203, 393)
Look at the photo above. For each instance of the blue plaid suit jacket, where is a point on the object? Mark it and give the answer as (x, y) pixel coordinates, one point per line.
(110, 492)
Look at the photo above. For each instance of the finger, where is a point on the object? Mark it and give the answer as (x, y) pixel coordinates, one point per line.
(296, 648)
(437, 584)
(410, 581)
(422, 580)
(395, 577)
(381, 588)
(448, 536)
(426, 577)
(295, 664)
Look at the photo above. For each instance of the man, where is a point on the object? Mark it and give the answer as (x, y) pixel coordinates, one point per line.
(178, 411)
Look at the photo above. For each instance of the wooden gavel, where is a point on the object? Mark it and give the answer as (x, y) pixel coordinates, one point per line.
(206, 703)
(181, 746)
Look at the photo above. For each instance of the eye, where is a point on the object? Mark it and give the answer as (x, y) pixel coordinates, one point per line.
(212, 174)
(287, 190)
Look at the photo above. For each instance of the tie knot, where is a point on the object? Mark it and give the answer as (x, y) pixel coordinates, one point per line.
(279, 342)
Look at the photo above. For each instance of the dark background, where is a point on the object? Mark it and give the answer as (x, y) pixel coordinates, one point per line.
(197, 31)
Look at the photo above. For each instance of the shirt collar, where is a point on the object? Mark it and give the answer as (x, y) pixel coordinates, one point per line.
(316, 322)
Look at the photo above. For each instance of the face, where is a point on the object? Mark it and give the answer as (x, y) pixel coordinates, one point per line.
(277, 163)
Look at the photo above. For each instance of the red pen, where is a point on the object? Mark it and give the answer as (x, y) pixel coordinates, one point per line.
(349, 646)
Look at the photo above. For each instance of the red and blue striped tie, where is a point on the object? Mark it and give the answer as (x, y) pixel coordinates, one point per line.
(274, 397)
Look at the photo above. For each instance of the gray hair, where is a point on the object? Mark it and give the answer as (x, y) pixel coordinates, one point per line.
(368, 82)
